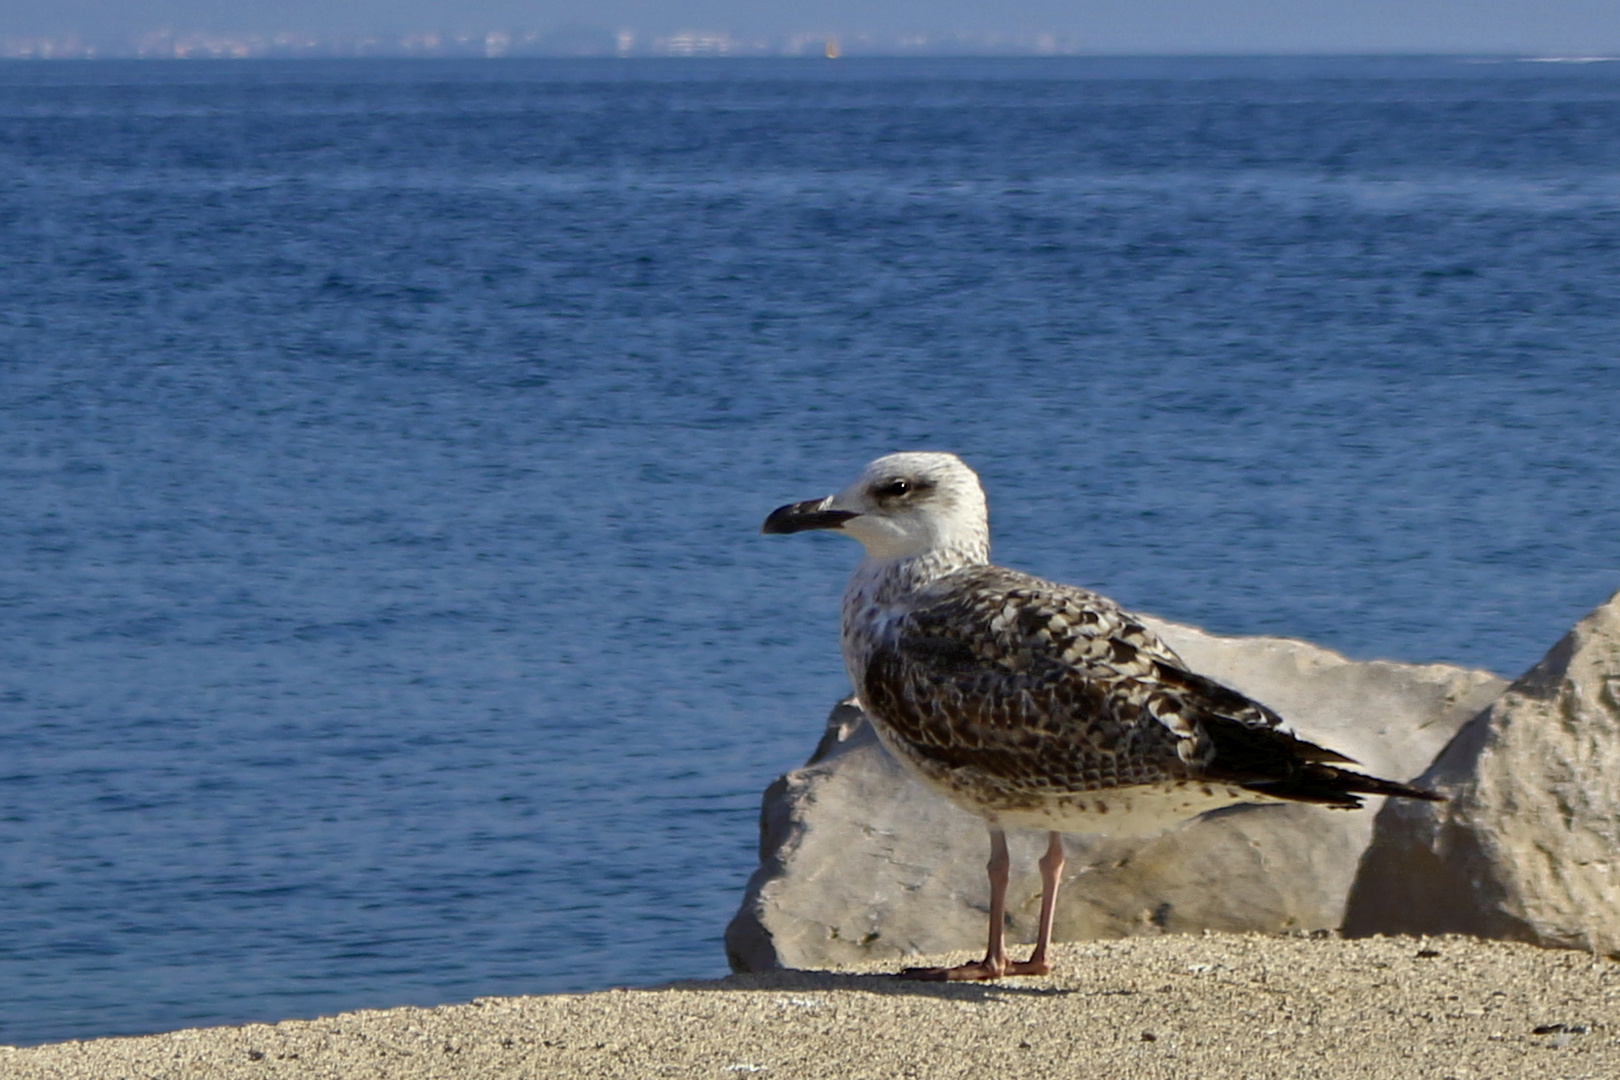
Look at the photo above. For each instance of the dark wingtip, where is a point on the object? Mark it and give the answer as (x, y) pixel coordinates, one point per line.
(1373, 785)
(1278, 763)
(1338, 789)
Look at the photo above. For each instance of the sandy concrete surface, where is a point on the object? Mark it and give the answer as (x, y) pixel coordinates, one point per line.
(1207, 1007)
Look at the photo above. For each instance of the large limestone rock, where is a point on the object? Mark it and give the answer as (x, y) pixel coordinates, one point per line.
(1527, 848)
(859, 861)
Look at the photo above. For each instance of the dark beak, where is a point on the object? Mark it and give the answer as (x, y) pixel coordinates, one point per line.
(802, 516)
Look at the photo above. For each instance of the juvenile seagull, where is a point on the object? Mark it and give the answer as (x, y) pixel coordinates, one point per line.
(1033, 704)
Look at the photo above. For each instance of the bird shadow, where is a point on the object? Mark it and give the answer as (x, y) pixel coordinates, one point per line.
(790, 980)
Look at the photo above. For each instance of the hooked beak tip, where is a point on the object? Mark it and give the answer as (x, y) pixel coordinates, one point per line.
(804, 516)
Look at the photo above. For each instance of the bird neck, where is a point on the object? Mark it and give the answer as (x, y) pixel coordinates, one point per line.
(875, 601)
(881, 582)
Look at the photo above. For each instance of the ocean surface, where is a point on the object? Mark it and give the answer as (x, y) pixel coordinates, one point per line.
(383, 447)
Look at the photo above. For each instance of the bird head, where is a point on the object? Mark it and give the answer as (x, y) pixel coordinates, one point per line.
(902, 505)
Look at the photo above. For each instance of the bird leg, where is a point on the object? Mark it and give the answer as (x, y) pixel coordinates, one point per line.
(995, 963)
(1051, 877)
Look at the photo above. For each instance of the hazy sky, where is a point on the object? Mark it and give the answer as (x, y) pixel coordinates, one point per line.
(1533, 26)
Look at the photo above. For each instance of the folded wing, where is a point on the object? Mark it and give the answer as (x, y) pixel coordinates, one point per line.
(1023, 679)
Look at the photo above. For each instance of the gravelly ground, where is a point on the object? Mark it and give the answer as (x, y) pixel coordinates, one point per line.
(1214, 1007)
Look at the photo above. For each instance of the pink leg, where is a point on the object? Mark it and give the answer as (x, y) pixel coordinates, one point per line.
(995, 963)
(1051, 877)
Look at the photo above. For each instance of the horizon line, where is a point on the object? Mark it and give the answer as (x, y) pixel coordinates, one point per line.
(584, 42)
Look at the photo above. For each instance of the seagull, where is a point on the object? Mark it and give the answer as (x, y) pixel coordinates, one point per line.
(1037, 705)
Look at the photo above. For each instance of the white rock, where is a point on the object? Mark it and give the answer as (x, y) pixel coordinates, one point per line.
(859, 861)
(1527, 847)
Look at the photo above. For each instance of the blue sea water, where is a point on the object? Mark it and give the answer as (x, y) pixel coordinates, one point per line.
(383, 446)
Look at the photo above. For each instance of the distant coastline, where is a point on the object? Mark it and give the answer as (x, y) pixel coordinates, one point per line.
(579, 42)
(584, 42)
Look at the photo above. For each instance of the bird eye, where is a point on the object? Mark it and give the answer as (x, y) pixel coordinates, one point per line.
(894, 488)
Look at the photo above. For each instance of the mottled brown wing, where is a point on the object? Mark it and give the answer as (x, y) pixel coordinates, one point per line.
(1057, 688)
(1022, 678)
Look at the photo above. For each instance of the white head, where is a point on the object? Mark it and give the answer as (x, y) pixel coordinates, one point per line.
(902, 505)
